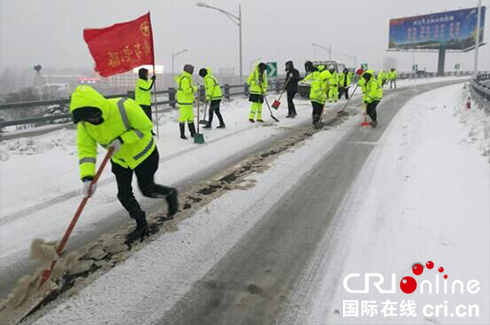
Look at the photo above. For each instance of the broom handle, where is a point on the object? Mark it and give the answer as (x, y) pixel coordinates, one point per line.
(352, 95)
(74, 221)
(283, 88)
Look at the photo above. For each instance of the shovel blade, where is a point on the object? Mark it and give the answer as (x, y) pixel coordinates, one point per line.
(199, 138)
(276, 104)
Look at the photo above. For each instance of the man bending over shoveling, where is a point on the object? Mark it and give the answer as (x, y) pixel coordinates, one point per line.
(119, 123)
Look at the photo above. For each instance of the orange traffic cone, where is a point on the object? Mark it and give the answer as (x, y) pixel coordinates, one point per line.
(468, 103)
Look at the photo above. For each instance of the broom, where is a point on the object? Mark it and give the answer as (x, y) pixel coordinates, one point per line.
(66, 236)
(345, 106)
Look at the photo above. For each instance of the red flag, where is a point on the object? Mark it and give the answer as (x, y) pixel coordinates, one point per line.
(122, 46)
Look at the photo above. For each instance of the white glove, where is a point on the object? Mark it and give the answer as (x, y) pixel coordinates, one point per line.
(116, 144)
(87, 190)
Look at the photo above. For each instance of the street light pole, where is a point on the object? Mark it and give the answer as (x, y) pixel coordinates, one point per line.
(173, 61)
(353, 58)
(477, 42)
(237, 20)
(329, 49)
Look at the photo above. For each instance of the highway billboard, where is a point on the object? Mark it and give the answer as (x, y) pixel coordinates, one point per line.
(453, 30)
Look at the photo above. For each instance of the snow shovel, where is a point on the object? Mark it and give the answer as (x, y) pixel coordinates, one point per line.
(277, 102)
(66, 236)
(198, 137)
(203, 121)
(270, 111)
(348, 101)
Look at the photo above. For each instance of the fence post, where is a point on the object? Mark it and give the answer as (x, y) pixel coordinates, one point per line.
(277, 85)
(171, 97)
(245, 89)
(227, 91)
(202, 93)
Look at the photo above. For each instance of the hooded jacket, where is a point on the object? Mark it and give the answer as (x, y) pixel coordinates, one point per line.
(213, 89)
(319, 80)
(373, 90)
(122, 118)
(293, 76)
(142, 91)
(258, 84)
(185, 89)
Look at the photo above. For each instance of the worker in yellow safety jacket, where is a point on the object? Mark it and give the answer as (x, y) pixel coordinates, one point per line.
(121, 124)
(142, 90)
(372, 95)
(382, 77)
(344, 83)
(257, 83)
(333, 89)
(392, 76)
(213, 97)
(185, 100)
(318, 79)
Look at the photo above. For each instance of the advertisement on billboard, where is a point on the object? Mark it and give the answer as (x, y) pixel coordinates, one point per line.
(452, 30)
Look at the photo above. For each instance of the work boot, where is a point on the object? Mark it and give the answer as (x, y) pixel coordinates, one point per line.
(182, 131)
(221, 126)
(288, 116)
(316, 119)
(207, 126)
(252, 120)
(260, 120)
(172, 201)
(293, 115)
(374, 123)
(141, 230)
(192, 129)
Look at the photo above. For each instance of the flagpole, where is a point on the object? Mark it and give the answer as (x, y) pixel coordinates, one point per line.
(155, 81)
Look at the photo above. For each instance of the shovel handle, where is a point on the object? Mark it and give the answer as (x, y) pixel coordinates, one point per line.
(66, 236)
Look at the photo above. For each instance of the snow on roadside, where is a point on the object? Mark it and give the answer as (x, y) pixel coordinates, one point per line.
(148, 284)
(422, 196)
(477, 122)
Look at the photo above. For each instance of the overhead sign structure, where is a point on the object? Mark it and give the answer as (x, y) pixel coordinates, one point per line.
(364, 66)
(451, 30)
(415, 67)
(271, 70)
(457, 66)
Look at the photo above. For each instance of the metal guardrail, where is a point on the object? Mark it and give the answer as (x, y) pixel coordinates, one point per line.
(481, 86)
(170, 101)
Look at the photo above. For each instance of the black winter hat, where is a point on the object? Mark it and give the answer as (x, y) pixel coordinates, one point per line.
(309, 66)
(143, 73)
(262, 66)
(203, 72)
(289, 65)
(189, 68)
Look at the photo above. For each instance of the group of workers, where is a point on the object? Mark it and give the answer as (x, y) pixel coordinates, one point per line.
(125, 126)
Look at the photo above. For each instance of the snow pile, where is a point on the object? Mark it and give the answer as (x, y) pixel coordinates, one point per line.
(476, 120)
(64, 139)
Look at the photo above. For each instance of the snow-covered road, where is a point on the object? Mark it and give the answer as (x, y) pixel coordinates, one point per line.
(279, 250)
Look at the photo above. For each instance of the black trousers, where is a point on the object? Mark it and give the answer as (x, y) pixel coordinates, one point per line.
(214, 108)
(371, 110)
(145, 173)
(344, 90)
(147, 110)
(317, 112)
(291, 107)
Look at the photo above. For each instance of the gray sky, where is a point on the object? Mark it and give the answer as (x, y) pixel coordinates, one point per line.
(50, 32)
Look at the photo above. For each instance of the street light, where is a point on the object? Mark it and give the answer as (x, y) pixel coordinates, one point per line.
(237, 20)
(353, 58)
(173, 60)
(329, 49)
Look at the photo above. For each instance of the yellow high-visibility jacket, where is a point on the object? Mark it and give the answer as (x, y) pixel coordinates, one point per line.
(142, 91)
(211, 84)
(185, 89)
(258, 85)
(122, 118)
